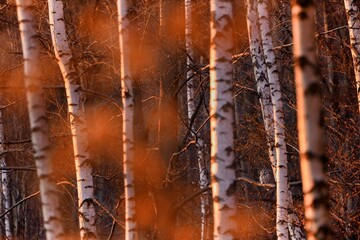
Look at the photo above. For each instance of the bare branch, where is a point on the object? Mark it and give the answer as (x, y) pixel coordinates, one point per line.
(189, 198)
(268, 185)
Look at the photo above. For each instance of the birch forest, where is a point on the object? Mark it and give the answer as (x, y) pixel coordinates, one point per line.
(179, 119)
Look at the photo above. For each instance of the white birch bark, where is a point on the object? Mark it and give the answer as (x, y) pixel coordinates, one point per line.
(127, 96)
(77, 119)
(278, 113)
(190, 56)
(190, 90)
(353, 17)
(222, 120)
(266, 105)
(203, 182)
(5, 183)
(312, 159)
(294, 223)
(261, 78)
(38, 121)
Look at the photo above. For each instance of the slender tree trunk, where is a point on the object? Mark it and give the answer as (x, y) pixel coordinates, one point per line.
(310, 122)
(328, 57)
(38, 121)
(127, 96)
(77, 119)
(279, 125)
(203, 180)
(5, 183)
(353, 16)
(265, 101)
(222, 120)
(261, 78)
(294, 223)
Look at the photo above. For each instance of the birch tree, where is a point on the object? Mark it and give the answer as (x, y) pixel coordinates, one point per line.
(261, 78)
(312, 159)
(127, 96)
(279, 125)
(5, 182)
(222, 119)
(38, 121)
(353, 18)
(203, 179)
(77, 119)
(263, 90)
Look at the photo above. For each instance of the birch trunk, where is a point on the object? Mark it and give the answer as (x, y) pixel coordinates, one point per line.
(294, 223)
(279, 125)
(38, 121)
(353, 17)
(203, 179)
(312, 159)
(77, 119)
(127, 96)
(5, 183)
(261, 78)
(265, 101)
(222, 120)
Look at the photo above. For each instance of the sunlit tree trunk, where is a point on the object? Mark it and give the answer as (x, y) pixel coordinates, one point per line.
(261, 78)
(5, 183)
(265, 101)
(279, 125)
(222, 119)
(127, 96)
(78, 126)
(310, 122)
(38, 121)
(203, 180)
(353, 17)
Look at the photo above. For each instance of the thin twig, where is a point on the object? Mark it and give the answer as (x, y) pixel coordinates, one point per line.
(11, 104)
(112, 230)
(19, 202)
(189, 198)
(114, 222)
(113, 101)
(31, 196)
(175, 155)
(110, 213)
(261, 226)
